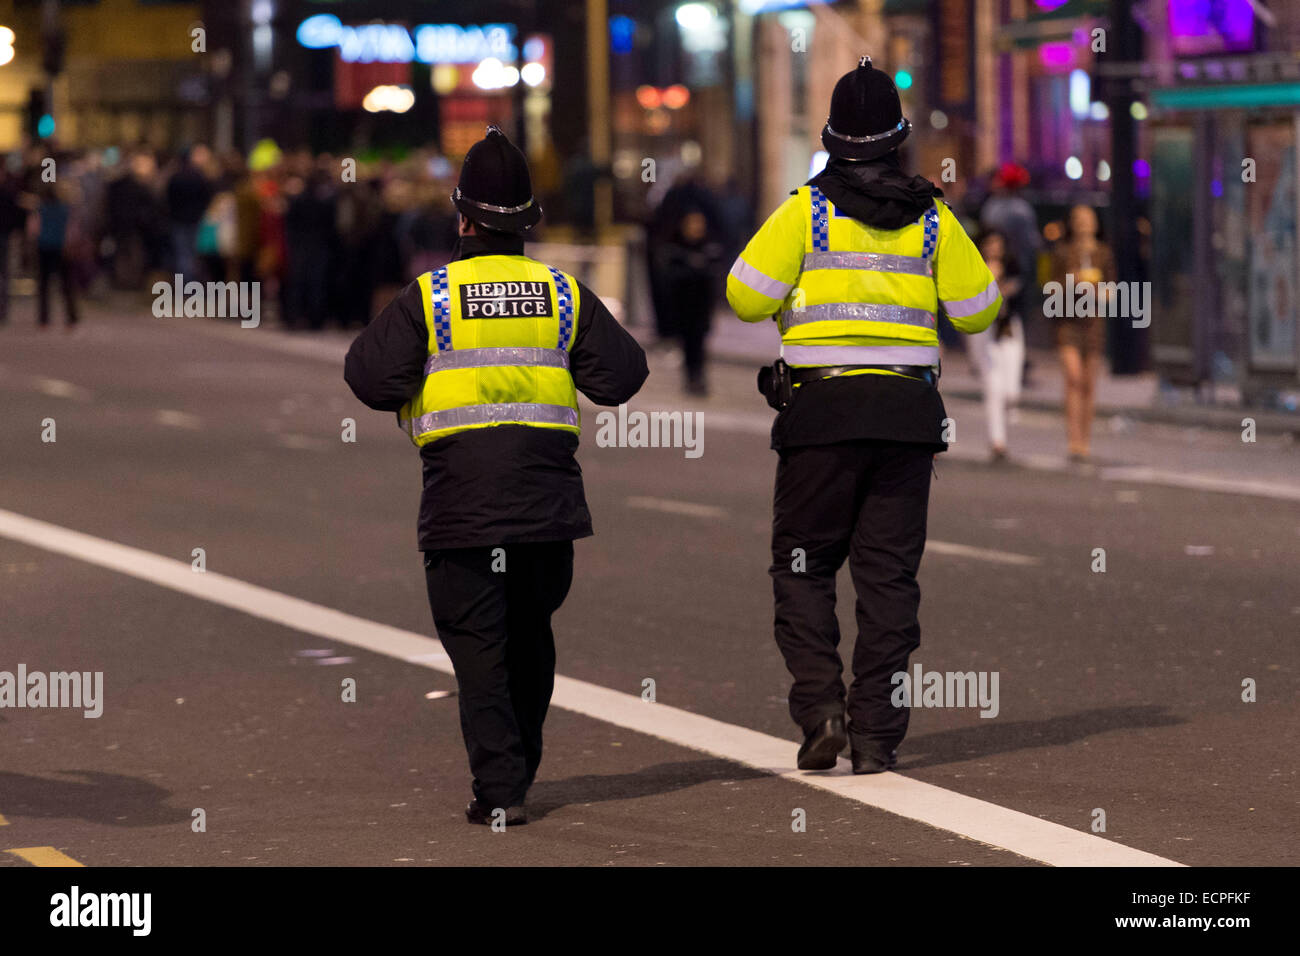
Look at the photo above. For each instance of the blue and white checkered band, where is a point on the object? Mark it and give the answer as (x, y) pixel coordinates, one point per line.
(565, 306)
(441, 310)
(931, 240)
(821, 239)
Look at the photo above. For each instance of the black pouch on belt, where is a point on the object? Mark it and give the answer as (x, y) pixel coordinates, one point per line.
(774, 384)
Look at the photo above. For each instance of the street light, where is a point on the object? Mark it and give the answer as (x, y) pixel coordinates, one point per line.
(6, 45)
(695, 16)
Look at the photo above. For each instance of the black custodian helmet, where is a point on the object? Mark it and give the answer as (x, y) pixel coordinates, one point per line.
(495, 190)
(866, 118)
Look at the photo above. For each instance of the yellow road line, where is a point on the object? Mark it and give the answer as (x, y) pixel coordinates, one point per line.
(3, 821)
(44, 856)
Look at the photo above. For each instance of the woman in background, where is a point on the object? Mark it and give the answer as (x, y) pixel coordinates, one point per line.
(999, 351)
(1080, 340)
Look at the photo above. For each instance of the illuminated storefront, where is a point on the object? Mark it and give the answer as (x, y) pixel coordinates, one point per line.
(1225, 102)
(476, 73)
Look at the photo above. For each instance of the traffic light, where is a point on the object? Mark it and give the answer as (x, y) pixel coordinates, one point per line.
(37, 109)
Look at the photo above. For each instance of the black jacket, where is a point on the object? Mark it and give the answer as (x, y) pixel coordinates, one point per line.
(511, 483)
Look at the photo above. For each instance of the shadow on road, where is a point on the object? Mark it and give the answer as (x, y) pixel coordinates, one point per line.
(108, 798)
(990, 737)
(548, 795)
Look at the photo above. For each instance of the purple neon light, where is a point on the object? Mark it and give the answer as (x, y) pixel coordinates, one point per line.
(1199, 26)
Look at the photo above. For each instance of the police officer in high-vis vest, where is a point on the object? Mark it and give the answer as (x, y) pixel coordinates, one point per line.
(482, 361)
(854, 267)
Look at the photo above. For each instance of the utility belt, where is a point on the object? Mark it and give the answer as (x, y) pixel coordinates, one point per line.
(776, 382)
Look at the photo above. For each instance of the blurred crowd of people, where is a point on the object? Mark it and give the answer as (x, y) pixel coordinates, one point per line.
(327, 236)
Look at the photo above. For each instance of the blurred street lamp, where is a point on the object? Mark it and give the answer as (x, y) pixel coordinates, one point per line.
(676, 96)
(445, 77)
(703, 31)
(6, 45)
(492, 74)
(649, 97)
(696, 16)
(532, 73)
(388, 98)
(1080, 93)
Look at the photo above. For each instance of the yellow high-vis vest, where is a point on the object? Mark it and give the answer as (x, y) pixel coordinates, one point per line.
(500, 331)
(846, 293)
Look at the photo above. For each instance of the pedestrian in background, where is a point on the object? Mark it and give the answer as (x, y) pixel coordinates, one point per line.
(53, 228)
(12, 217)
(692, 263)
(137, 221)
(188, 194)
(998, 353)
(1007, 211)
(1081, 340)
(309, 242)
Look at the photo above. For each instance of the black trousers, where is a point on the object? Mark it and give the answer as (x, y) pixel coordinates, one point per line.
(51, 262)
(496, 627)
(867, 501)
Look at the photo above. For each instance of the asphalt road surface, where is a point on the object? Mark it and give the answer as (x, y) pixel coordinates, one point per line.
(1120, 693)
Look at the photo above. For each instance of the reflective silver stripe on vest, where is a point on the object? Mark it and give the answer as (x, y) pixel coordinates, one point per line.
(858, 311)
(760, 282)
(526, 412)
(862, 354)
(484, 358)
(963, 308)
(870, 261)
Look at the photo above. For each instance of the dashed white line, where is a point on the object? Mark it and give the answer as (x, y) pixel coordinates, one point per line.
(673, 506)
(61, 389)
(1238, 486)
(1026, 835)
(979, 554)
(175, 419)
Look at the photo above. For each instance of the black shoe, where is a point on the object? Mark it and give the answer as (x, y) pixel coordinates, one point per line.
(823, 744)
(874, 761)
(477, 813)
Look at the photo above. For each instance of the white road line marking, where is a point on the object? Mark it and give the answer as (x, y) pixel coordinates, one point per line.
(1143, 475)
(975, 819)
(61, 389)
(980, 554)
(1156, 476)
(175, 419)
(674, 507)
(301, 442)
